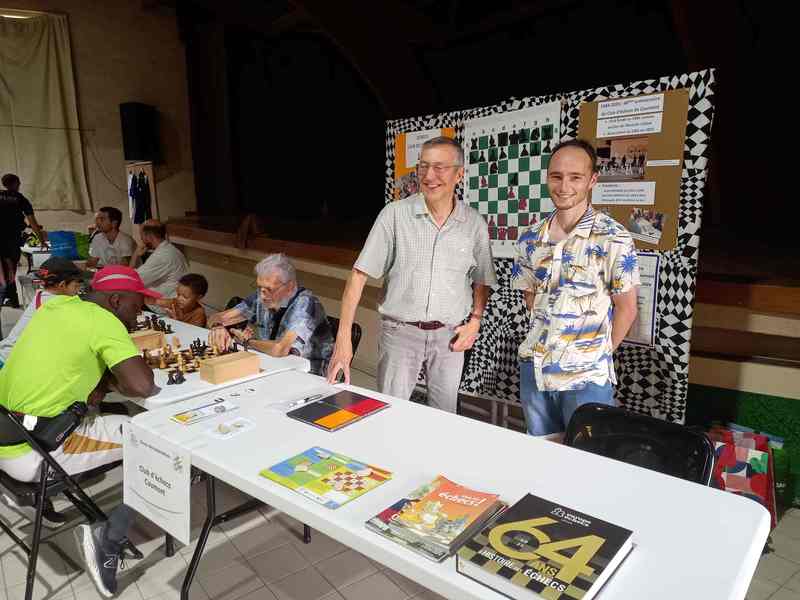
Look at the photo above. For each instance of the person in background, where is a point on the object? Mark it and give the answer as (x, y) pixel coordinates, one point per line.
(59, 277)
(165, 266)
(109, 245)
(15, 211)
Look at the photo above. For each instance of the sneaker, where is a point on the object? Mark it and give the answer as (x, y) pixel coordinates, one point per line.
(101, 557)
(50, 517)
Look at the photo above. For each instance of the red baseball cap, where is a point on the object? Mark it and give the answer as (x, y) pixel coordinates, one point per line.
(116, 278)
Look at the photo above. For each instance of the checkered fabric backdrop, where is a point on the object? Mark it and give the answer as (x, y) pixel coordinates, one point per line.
(654, 380)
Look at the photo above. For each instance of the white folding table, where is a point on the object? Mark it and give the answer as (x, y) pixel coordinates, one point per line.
(691, 541)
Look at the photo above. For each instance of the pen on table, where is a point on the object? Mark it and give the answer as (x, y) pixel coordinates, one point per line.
(306, 400)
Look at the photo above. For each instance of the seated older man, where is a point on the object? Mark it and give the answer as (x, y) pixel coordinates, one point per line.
(283, 318)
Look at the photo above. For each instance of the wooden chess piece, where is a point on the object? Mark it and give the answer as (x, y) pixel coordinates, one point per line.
(162, 364)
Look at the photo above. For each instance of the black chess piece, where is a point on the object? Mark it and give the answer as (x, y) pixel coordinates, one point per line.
(482, 157)
(514, 137)
(493, 168)
(503, 154)
(493, 154)
(491, 142)
(502, 139)
(534, 134)
(524, 150)
(474, 145)
(169, 329)
(546, 147)
(179, 378)
(171, 378)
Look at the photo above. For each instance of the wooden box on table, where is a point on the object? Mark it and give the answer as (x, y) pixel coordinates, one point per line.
(229, 366)
(147, 339)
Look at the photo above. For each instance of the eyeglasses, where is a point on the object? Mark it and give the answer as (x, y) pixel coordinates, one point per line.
(437, 168)
(271, 291)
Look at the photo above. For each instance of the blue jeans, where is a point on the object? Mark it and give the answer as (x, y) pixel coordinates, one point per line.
(549, 412)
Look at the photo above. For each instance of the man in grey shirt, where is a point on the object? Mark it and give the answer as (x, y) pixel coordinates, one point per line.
(166, 264)
(433, 253)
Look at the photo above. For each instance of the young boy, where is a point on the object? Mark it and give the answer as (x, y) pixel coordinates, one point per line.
(186, 306)
(60, 277)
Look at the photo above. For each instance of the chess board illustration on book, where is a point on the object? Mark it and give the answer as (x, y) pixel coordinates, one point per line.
(327, 478)
(436, 518)
(538, 548)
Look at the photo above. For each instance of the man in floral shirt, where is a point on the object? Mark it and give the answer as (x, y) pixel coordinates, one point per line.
(579, 271)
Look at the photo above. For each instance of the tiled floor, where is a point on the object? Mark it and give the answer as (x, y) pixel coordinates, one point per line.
(253, 558)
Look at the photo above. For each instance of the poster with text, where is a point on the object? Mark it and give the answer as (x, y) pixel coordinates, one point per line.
(644, 328)
(639, 142)
(407, 150)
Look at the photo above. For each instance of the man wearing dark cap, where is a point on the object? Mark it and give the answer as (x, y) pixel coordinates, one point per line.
(43, 379)
(59, 277)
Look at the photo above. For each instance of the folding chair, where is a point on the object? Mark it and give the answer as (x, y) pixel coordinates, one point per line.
(53, 480)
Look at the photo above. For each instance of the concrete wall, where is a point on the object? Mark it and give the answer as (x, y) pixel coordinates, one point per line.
(124, 54)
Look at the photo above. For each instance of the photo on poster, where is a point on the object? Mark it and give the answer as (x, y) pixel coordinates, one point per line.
(621, 159)
(406, 185)
(646, 225)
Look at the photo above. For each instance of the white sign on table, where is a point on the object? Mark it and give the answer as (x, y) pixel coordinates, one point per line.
(157, 479)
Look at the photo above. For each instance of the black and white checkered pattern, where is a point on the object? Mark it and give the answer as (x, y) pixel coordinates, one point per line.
(650, 380)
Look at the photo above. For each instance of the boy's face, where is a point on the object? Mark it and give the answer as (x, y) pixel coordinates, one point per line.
(186, 298)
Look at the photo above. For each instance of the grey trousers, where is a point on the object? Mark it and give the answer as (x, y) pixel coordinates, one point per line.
(402, 350)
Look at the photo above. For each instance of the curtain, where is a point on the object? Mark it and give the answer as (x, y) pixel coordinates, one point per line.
(40, 138)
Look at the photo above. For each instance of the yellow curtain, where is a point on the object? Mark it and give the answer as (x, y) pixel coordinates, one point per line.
(40, 138)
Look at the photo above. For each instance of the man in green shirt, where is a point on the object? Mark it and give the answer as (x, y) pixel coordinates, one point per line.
(76, 350)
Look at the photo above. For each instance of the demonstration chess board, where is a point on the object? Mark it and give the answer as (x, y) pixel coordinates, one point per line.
(507, 156)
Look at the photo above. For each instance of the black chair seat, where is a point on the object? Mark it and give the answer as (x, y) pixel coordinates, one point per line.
(355, 332)
(642, 440)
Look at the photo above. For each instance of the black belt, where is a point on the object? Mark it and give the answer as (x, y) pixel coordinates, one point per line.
(426, 325)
